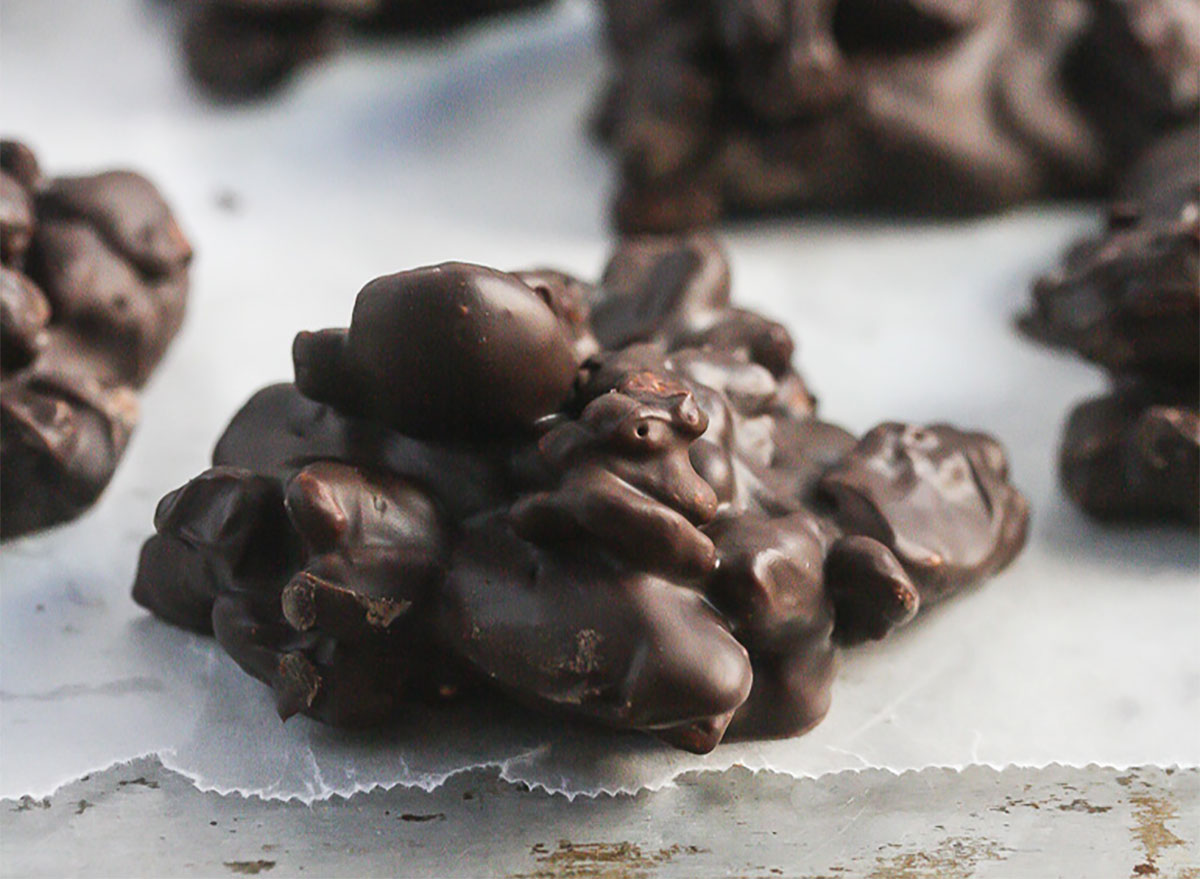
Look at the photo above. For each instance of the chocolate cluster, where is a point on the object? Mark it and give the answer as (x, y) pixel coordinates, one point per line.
(241, 49)
(1129, 301)
(720, 107)
(614, 501)
(92, 289)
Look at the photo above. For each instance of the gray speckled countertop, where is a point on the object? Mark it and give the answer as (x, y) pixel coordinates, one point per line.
(1095, 823)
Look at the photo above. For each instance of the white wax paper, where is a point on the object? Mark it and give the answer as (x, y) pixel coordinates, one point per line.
(388, 158)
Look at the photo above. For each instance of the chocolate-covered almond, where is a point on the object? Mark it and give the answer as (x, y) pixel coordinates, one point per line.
(24, 315)
(1129, 300)
(482, 355)
(126, 211)
(770, 582)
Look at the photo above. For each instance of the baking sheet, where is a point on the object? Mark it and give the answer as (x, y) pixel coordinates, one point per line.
(1083, 652)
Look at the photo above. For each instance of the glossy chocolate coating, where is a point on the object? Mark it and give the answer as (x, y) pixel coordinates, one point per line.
(568, 628)
(503, 361)
(725, 107)
(1134, 455)
(625, 479)
(1129, 301)
(613, 502)
(92, 290)
(972, 521)
(241, 49)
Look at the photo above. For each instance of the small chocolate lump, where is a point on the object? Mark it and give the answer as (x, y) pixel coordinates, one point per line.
(612, 501)
(727, 107)
(93, 283)
(236, 50)
(1129, 301)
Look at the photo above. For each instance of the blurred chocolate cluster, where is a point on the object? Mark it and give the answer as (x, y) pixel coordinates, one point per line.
(720, 107)
(92, 290)
(613, 501)
(1129, 301)
(241, 49)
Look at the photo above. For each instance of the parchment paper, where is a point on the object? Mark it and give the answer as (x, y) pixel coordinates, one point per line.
(1084, 651)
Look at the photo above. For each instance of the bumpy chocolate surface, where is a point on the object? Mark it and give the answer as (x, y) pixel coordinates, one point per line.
(1129, 301)
(92, 289)
(722, 107)
(240, 49)
(613, 501)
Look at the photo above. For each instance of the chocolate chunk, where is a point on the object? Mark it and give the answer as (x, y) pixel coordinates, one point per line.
(1129, 301)
(612, 502)
(92, 290)
(726, 107)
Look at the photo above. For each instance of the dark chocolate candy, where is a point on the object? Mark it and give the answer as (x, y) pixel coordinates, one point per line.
(241, 49)
(1129, 301)
(730, 106)
(614, 502)
(92, 291)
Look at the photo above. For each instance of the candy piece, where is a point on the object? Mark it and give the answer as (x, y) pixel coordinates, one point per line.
(1129, 301)
(92, 290)
(237, 50)
(612, 502)
(727, 107)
